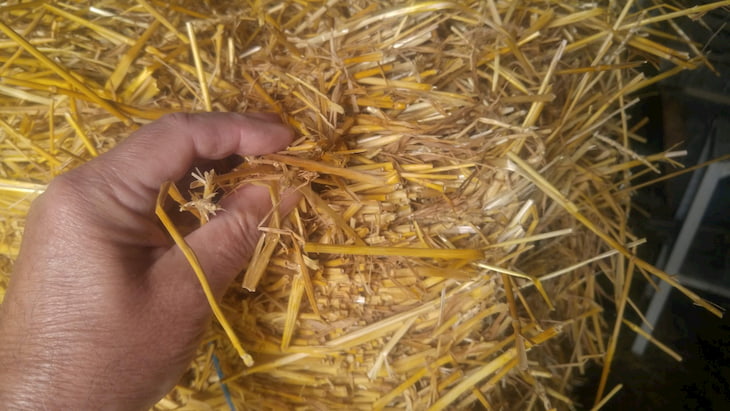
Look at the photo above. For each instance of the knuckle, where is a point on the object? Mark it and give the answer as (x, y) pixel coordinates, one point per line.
(178, 119)
(77, 192)
(59, 205)
(64, 188)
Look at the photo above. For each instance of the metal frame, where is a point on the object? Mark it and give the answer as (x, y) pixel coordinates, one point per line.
(671, 261)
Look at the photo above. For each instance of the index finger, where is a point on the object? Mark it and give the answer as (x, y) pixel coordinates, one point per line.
(165, 150)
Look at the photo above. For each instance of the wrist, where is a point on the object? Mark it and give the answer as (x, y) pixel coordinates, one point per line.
(24, 377)
(30, 377)
(36, 385)
(21, 390)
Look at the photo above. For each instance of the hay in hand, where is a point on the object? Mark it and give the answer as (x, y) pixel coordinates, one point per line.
(465, 171)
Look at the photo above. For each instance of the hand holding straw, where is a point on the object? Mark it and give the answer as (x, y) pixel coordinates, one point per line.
(103, 308)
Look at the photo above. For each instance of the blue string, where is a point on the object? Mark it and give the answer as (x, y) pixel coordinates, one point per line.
(224, 387)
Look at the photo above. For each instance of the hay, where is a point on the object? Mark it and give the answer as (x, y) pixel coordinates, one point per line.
(465, 171)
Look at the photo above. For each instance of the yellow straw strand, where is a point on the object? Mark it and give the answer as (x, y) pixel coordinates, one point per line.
(446, 254)
(61, 72)
(193, 260)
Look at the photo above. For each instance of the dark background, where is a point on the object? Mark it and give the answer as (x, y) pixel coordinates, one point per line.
(686, 109)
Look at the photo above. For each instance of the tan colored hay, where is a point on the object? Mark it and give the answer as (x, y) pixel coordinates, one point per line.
(441, 144)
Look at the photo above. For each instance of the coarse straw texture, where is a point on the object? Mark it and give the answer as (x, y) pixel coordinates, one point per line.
(465, 170)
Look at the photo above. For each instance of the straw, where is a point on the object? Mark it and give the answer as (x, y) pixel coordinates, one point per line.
(465, 171)
(193, 260)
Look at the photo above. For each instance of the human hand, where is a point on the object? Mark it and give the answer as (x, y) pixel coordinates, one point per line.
(102, 310)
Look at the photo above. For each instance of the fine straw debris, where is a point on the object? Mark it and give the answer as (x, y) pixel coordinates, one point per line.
(464, 170)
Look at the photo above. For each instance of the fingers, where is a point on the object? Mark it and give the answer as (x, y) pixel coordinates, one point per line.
(225, 244)
(166, 149)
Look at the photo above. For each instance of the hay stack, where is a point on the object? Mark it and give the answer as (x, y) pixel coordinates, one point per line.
(465, 170)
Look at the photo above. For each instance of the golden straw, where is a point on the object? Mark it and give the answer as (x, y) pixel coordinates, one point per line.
(193, 260)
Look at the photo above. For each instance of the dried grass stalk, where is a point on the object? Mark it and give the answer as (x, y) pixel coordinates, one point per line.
(440, 144)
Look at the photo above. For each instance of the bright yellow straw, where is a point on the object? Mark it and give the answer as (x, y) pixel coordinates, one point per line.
(193, 260)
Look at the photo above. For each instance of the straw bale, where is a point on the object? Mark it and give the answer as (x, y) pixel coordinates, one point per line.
(465, 170)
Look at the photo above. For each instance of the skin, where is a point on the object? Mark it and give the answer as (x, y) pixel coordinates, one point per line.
(102, 310)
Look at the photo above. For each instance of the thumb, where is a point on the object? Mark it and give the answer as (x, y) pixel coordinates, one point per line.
(225, 244)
